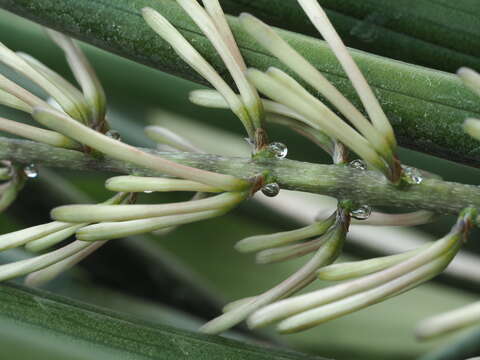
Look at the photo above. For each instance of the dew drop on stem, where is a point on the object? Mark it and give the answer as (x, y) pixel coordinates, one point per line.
(31, 171)
(412, 175)
(279, 149)
(271, 189)
(358, 164)
(361, 213)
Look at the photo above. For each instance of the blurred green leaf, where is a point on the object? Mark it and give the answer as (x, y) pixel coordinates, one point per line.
(465, 345)
(38, 325)
(440, 35)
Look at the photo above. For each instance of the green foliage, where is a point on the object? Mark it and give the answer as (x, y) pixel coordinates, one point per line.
(426, 107)
(407, 92)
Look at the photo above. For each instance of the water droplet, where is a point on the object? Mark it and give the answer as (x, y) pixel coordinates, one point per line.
(148, 191)
(113, 134)
(31, 171)
(279, 149)
(271, 189)
(358, 164)
(361, 213)
(412, 175)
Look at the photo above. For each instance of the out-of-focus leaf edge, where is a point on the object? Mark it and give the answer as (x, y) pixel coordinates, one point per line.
(439, 35)
(35, 321)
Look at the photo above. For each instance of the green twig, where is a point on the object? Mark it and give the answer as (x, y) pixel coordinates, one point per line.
(367, 187)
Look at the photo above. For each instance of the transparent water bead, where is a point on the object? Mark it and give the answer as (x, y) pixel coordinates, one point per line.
(412, 175)
(31, 171)
(361, 213)
(113, 134)
(271, 189)
(148, 191)
(358, 164)
(279, 149)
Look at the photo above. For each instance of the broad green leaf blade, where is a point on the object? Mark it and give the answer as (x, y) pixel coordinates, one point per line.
(426, 107)
(440, 35)
(34, 321)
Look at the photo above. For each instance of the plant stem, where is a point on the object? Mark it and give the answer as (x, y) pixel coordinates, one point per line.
(366, 187)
